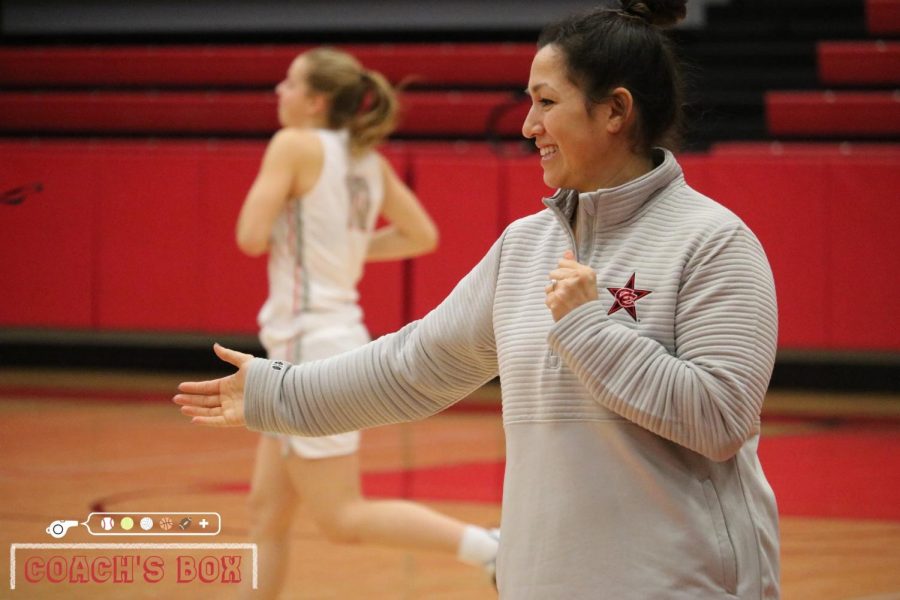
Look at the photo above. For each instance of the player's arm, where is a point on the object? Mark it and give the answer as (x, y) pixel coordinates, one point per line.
(410, 231)
(292, 162)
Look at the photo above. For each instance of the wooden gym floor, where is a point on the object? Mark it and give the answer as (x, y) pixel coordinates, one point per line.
(76, 441)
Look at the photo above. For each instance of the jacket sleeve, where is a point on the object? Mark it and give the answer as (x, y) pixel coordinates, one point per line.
(708, 394)
(411, 374)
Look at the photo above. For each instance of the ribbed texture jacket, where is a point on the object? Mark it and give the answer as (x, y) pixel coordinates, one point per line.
(631, 424)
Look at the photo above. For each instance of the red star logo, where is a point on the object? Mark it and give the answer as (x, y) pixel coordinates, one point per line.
(625, 297)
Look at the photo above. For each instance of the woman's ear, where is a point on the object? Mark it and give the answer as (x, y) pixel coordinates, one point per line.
(621, 104)
(318, 104)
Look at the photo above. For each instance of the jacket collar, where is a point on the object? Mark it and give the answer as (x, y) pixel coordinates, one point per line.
(612, 206)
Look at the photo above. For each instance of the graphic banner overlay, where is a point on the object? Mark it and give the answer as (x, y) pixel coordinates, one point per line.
(123, 564)
(154, 523)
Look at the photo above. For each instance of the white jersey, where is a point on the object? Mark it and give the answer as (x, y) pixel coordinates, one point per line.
(319, 244)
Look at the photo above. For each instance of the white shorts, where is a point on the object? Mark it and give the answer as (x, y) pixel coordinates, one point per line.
(315, 345)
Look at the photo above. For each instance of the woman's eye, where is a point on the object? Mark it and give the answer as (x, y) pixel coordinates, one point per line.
(545, 102)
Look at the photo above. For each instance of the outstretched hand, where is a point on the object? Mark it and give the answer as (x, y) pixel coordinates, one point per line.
(220, 402)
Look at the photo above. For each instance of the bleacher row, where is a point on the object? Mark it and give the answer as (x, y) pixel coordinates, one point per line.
(882, 17)
(121, 212)
(472, 114)
(176, 97)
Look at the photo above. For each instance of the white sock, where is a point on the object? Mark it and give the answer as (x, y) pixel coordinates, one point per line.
(477, 546)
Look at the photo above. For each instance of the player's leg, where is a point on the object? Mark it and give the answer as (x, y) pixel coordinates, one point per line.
(271, 504)
(331, 488)
(326, 474)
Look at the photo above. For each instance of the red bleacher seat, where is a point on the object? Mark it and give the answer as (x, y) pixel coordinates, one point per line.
(860, 63)
(484, 65)
(883, 16)
(138, 112)
(422, 113)
(828, 113)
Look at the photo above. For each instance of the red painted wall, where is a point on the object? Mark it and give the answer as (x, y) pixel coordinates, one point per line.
(140, 235)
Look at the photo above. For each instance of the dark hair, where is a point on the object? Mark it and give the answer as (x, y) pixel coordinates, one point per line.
(608, 47)
(361, 100)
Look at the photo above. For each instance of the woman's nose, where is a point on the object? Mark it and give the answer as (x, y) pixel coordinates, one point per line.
(531, 127)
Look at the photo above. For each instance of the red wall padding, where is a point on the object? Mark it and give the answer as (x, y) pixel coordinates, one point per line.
(382, 294)
(46, 242)
(140, 236)
(832, 113)
(235, 285)
(148, 251)
(696, 170)
(461, 193)
(864, 257)
(785, 202)
(524, 190)
(859, 63)
(487, 64)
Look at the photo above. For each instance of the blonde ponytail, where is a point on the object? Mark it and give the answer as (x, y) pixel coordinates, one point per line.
(378, 117)
(361, 101)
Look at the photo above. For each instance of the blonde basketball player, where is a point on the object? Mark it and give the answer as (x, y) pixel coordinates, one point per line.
(313, 209)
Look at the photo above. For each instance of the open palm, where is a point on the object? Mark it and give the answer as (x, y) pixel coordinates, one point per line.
(218, 402)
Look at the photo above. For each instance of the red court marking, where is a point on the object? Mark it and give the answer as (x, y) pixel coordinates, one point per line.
(852, 473)
(472, 482)
(849, 473)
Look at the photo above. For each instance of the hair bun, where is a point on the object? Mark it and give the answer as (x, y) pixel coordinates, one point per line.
(661, 13)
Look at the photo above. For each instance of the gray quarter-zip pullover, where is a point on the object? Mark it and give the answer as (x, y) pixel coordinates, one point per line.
(632, 424)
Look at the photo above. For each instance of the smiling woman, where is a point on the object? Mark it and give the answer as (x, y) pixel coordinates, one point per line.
(574, 139)
(589, 83)
(632, 381)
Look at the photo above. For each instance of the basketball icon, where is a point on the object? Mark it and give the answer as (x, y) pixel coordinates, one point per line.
(166, 524)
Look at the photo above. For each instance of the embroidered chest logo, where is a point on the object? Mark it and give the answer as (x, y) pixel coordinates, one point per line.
(626, 297)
